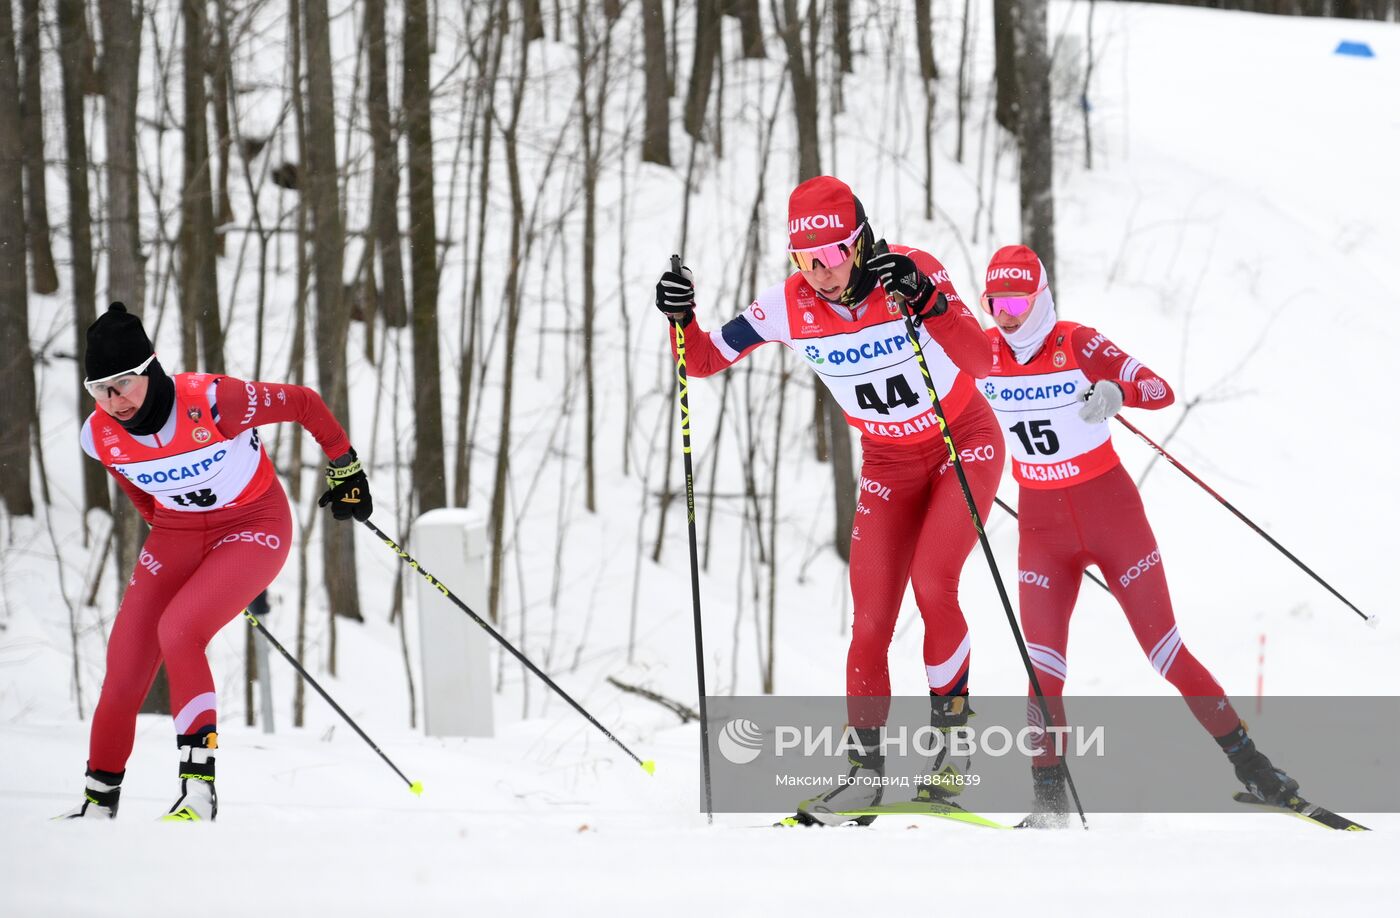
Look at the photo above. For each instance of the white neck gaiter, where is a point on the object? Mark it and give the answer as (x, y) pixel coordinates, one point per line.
(1027, 340)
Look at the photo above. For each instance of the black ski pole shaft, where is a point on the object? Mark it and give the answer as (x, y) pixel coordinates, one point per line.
(1003, 505)
(649, 766)
(953, 457)
(683, 389)
(1369, 619)
(415, 786)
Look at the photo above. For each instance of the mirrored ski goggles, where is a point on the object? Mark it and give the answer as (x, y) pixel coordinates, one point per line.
(118, 383)
(825, 256)
(1011, 305)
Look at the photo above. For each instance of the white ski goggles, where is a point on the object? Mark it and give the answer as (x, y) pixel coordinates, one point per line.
(116, 384)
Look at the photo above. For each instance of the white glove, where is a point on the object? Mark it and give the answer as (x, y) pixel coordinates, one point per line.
(1102, 401)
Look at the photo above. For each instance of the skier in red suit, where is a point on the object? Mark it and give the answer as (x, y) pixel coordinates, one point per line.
(837, 313)
(186, 451)
(1054, 386)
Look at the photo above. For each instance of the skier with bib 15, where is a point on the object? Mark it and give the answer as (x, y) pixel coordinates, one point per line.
(1054, 386)
(186, 451)
(839, 312)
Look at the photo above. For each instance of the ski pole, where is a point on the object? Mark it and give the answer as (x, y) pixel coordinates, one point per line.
(1369, 619)
(415, 786)
(649, 766)
(1005, 506)
(881, 248)
(683, 388)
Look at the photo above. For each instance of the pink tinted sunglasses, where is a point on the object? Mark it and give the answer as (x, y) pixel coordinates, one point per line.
(825, 256)
(1011, 305)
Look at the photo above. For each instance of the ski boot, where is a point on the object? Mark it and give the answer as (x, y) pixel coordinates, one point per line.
(1051, 801)
(1258, 775)
(198, 801)
(100, 797)
(863, 787)
(947, 773)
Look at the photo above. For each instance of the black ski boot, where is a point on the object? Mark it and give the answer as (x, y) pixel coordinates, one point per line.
(863, 787)
(1051, 799)
(198, 801)
(947, 774)
(100, 797)
(1259, 776)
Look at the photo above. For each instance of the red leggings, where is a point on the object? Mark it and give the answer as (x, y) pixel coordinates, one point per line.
(912, 522)
(1101, 521)
(196, 572)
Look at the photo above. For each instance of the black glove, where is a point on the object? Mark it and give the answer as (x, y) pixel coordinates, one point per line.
(675, 296)
(349, 489)
(901, 277)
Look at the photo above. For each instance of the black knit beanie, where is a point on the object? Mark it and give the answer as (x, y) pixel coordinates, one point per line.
(117, 342)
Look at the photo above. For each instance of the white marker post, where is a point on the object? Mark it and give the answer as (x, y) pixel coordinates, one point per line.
(456, 652)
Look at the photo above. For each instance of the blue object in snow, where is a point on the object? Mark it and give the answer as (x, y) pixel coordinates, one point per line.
(1355, 49)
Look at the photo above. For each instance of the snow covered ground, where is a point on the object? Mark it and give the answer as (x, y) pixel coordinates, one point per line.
(1238, 234)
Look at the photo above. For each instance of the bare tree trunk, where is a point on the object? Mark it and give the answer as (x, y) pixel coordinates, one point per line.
(842, 26)
(804, 90)
(702, 69)
(1004, 44)
(428, 474)
(533, 20)
(590, 228)
(386, 172)
(929, 74)
(72, 32)
(17, 363)
(829, 421)
(121, 60)
(1034, 132)
(36, 182)
(126, 274)
(332, 314)
(223, 206)
(656, 139)
(199, 282)
(497, 523)
(962, 75)
(1084, 90)
(751, 25)
(494, 41)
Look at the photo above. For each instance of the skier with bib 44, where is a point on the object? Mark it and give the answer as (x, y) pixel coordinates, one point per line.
(186, 451)
(841, 312)
(1054, 386)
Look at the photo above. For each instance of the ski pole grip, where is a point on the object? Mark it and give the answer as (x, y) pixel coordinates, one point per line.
(882, 249)
(676, 263)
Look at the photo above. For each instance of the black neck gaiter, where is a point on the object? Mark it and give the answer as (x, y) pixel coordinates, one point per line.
(155, 410)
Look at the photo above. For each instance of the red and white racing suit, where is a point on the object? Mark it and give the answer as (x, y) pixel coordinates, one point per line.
(912, 520)
(1078, 507)
(220, 531)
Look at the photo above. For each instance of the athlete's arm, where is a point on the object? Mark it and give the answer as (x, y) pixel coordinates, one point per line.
(957, 330)
(239, 405)
(1100, 358)
(144, 503)
(706, 353)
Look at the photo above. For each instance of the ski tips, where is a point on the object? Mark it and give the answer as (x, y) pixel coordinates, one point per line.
(416, 788)
(649, 766)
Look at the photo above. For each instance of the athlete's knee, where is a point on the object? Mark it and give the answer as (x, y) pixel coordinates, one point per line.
(178, 635)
